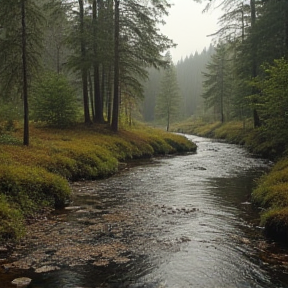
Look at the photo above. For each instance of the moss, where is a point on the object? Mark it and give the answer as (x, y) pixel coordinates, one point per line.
(11, 221)
(276, 224)
(31, 187)
(272, 189)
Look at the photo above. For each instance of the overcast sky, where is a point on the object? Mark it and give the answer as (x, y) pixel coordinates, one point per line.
(189, 27)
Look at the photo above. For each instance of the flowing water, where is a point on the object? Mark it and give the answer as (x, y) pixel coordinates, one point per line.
(181, 221)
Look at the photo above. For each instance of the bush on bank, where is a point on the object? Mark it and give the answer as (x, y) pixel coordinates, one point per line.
(271, 192)
(237, 132)
(38, 176)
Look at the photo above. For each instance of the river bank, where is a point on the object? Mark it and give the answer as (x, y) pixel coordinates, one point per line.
(271, 191)
(36, 178)
(180, 221)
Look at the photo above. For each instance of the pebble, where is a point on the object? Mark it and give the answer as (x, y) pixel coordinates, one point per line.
(22, 282)
(46, 268)
(72, 208)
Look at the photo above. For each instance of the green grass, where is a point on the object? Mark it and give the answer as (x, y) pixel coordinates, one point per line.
(272, 194)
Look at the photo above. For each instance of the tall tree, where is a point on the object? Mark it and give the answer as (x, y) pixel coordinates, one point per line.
(254, 60)
(274, 103)
(217, 83)
(84, 68)
(115, 114)
(24, 68)
(20, 50)
(168, 101)
(190, 78)
(140, 44)
(98, 96)
(56, 26)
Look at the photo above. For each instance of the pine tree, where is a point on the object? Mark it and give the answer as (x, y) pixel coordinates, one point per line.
(20, 50)
(115, 114)
(55, 30)
(217, 83)
(168, 101)
(140, 45)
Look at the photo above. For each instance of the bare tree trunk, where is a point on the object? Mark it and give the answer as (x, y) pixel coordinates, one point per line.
(222, 90)
(254, 60)
(286, 29)
(25, 85)
(87, 119)
(98, 97)
(109, 98)
(103, 88)
(91, 93)
(115, 114)
(242, 24)
(130, 114)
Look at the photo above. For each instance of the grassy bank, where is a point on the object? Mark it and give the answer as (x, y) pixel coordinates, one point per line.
(272, 189)
(237, 132)
(38, 176)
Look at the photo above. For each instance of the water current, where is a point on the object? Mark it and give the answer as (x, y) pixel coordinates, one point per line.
(177, 221)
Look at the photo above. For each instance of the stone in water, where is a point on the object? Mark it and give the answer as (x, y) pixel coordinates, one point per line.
(22, 282)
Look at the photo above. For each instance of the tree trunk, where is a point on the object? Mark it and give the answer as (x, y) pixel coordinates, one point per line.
(222, 88)
(115, 114)
(286, 30)
(90, 83)
(24, 70)
(87, 119)
(242, 24)
(256, 119)
(253, 21)
(168, 120)
(109, 98)
(103, 88)
(98, 98)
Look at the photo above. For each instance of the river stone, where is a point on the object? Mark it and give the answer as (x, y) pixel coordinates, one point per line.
(22, 282)
(72, 208)
(82, 211)
(46, 268)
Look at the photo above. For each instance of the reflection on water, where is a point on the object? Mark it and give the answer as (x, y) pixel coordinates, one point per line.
(182, 221)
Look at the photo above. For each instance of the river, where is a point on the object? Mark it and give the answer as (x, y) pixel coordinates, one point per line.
(177, 221)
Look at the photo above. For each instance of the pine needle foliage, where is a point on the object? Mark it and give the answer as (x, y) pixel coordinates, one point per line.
(54, 101)
(11, 45)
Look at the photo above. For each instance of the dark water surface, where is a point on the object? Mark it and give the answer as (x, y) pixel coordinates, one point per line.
(183, 221)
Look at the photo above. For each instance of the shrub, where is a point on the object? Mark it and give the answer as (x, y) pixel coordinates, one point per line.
(32, 188)
(276, 224)
(11, 221)
(54, 101)
(9, 112)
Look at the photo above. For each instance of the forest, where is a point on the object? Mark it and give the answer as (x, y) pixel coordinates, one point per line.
(77, 61)
(242, 77)
(88, 92)
(71, 74)
(106, 62)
